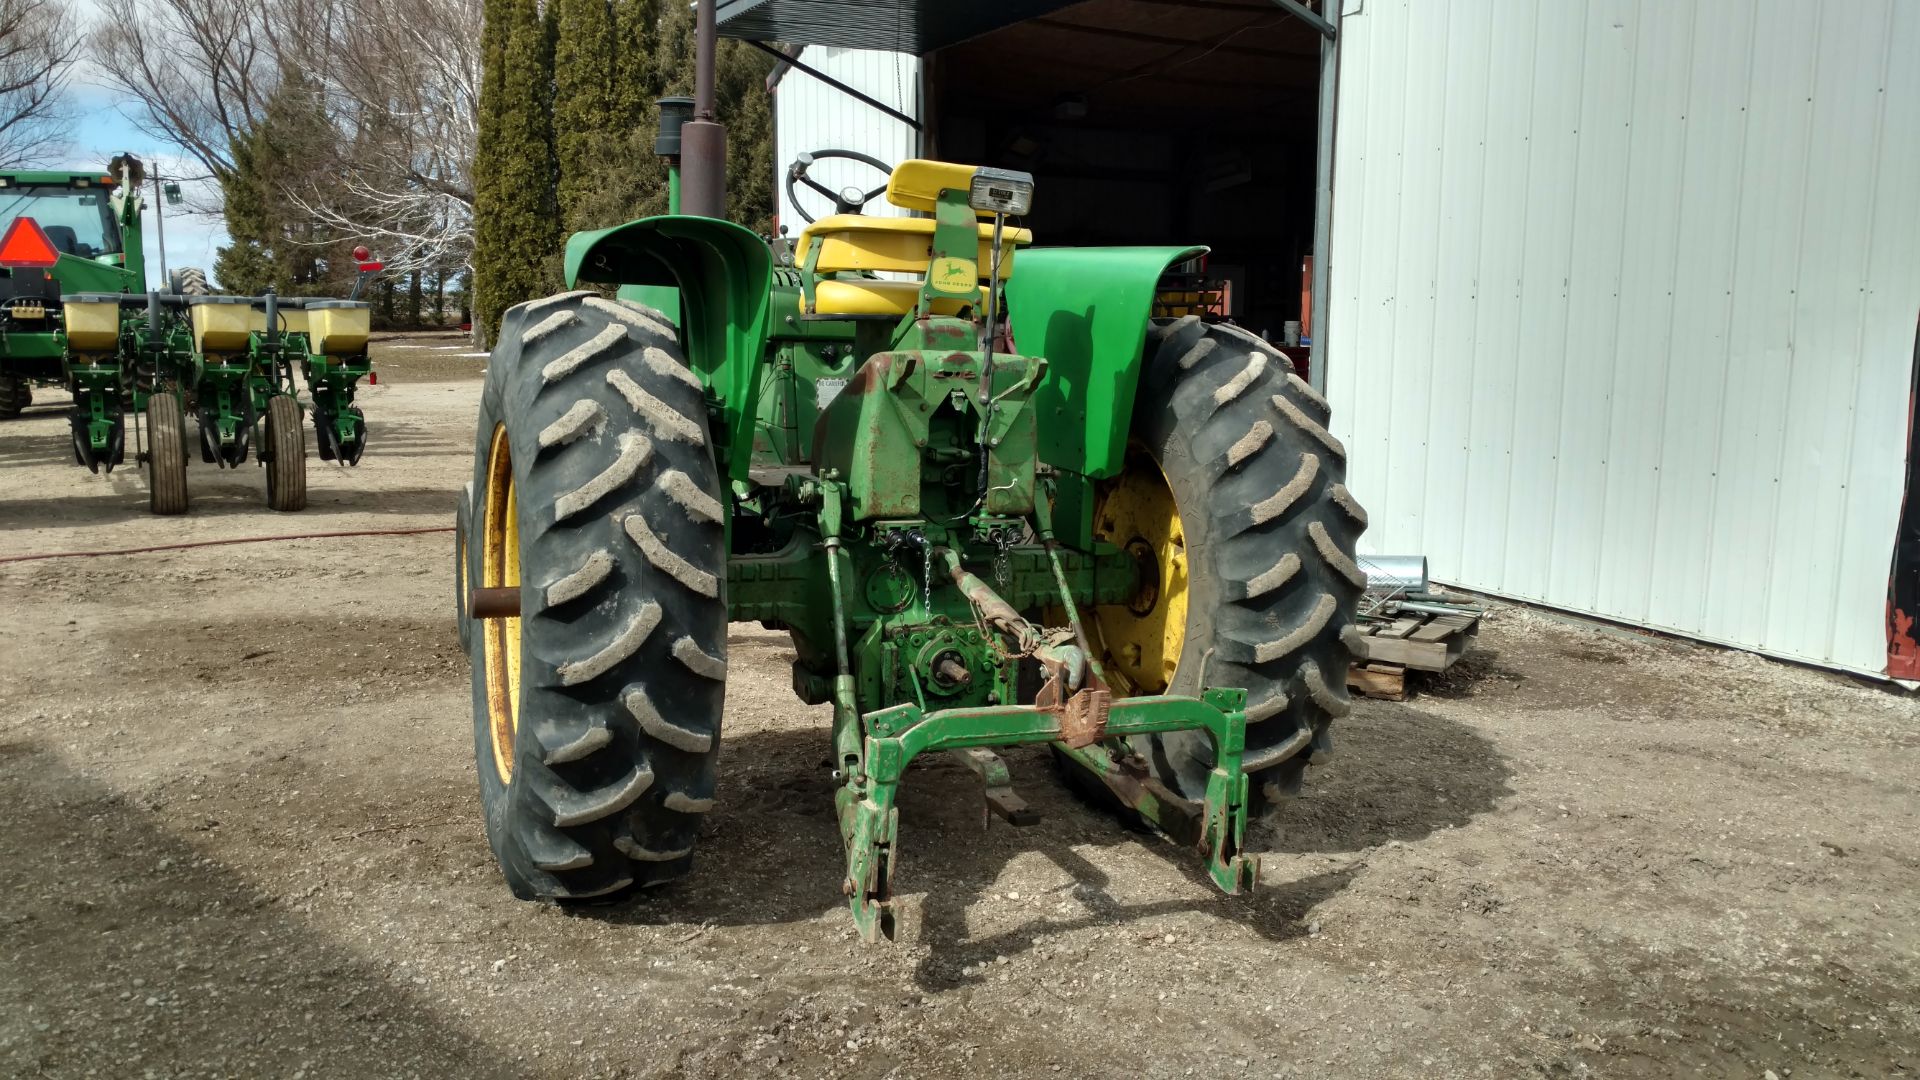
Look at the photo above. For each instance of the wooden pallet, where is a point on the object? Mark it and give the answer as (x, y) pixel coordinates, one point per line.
(1417, 642)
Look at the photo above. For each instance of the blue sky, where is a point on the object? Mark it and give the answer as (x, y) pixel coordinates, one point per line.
(101, 129)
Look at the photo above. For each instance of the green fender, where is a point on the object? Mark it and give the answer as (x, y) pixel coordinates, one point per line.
(1086, 311)
(723, 274)
(76, 274)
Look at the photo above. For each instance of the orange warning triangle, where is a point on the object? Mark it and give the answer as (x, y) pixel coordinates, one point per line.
(26, 245)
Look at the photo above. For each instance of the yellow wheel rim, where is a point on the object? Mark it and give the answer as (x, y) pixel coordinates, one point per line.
(1141, 639)
(465, 575)
(500, 569)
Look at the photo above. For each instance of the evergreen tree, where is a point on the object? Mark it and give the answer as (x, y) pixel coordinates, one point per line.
(272, 241)
(743, 104)
(630, 181)
(244, 265)
(488, 243)
(584, 73)
(517, 232)
(567, 124)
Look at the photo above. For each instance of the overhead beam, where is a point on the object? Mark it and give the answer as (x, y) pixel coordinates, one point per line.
(1309, 16)
(867, 99)
(1155, 39)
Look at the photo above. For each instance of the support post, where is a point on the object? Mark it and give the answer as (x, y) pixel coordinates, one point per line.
(160, 224)
(1323, 193)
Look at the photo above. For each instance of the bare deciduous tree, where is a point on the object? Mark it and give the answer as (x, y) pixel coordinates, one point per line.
(399, 80)
(200, 69)
(37, 45)
(406, 81)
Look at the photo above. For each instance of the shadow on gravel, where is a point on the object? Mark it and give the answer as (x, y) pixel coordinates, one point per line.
(1476, 673)
(773, 853)
(232, 498)
(127, 953)
(1397, 772)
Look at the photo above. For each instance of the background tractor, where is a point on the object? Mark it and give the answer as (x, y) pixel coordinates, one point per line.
(991, 498)
(75, 312)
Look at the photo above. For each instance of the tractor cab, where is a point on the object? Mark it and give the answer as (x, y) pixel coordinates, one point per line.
(60, 233)
(73, 212)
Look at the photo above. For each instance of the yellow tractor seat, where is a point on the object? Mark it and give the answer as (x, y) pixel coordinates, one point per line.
(899, 245)
(916, 184)
(867, 296)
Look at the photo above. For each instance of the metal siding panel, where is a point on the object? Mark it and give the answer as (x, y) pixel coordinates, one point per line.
(1407, 396)
(1372, 273)
(1344, 318)
(1546, 262)
(1668, 355)
(1657, 151)
(1887, 352)
(1348, 218)
(1495, 346)
(1836, 236)
(1755, 398)
(1462, 136)
(1584, 410)
(810, 115)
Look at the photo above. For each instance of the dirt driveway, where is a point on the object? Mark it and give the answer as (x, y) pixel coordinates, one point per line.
(242, 840)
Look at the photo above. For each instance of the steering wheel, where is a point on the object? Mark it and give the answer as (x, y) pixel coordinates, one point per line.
(849, 200)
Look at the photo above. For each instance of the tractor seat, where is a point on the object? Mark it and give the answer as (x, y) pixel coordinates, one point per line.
(854, 243)
(870, 296)
(896, 244)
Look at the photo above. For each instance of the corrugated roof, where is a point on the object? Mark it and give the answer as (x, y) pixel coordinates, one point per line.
(911, 26)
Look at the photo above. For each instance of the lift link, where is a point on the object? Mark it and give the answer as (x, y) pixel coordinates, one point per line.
(1083, 720)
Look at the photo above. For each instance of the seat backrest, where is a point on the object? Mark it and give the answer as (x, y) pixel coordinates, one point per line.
(853, 242)
(917, 183)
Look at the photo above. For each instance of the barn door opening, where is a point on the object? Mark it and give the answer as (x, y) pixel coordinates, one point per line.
(1903, 586)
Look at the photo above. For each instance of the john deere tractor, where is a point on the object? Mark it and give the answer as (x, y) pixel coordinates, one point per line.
(991, 499)
(75, 312)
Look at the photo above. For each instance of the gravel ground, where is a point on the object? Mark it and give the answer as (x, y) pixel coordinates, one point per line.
(244, 840)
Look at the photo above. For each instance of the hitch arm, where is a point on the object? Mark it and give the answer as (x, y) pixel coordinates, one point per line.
(870, 818)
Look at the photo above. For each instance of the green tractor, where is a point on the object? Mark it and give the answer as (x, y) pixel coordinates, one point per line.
(64, 232)
(992, 500)
(75, 312)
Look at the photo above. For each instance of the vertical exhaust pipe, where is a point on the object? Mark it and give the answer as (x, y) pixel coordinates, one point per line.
(703, 142)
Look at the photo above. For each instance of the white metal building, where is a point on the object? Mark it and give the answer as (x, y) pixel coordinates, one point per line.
(810, 115)
(1622, 302)
(1623, 305)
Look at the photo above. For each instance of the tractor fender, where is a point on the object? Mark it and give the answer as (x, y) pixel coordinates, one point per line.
(1086, 311)
(721, 276)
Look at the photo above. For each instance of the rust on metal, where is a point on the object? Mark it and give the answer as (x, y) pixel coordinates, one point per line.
(1001, 801)
(1084, 720)
(496, 603)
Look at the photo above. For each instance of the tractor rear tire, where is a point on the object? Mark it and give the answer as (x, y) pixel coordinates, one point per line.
(286, 456)
(189, 281)
(597, 710)
(1265, 541)
(166, 455)
(15, 395)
